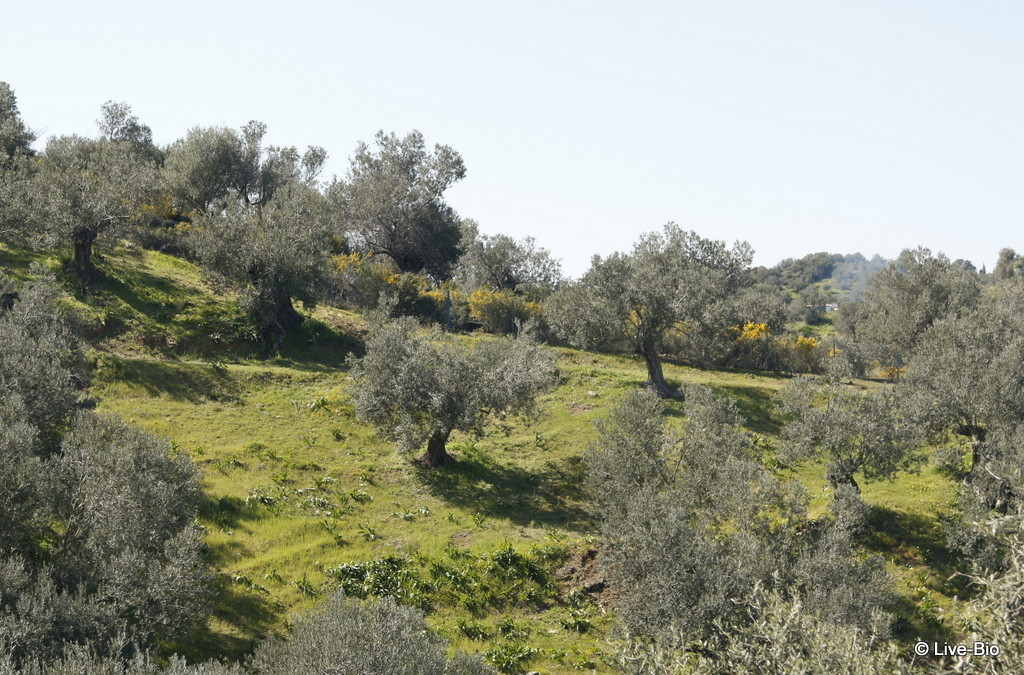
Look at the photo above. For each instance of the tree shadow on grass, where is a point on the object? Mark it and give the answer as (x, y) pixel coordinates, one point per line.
(125, 284)
(190, 382)
(756, 405)
(914, 540)
(15, 263)
(250, 617)
(226, 512)
(548, 497)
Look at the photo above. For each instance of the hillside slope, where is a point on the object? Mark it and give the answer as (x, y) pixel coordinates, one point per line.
(498, 548)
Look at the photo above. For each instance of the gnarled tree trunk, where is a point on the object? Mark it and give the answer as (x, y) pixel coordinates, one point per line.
(655, 376)
(976, 433)
(837, 478)
(281, 321)
(436, 455)
(81, 264)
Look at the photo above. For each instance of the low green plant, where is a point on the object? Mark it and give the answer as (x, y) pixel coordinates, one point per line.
(510, 656)
(473, 630)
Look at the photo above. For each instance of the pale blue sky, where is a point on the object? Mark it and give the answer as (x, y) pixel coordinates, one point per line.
(797, 126)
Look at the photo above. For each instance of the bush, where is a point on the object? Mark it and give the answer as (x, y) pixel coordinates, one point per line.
(781, 636)
(501, 311)
(346, 636)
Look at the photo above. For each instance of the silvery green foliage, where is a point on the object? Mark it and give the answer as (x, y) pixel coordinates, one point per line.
(850, 511)
(417, 387)
(994, 616)
(275, 253)
(15, 137)
(123, 557)
(994, 487)
(42, 368)
(119, 125)
(966, 371)
(392, 199)
(85, 660)
(128, 507)
(500, 262)
(87, 187)
(693, 523)
(630, 462)
(1009, 264)
(210, 165)
(22, 506)
(907, 297)
(671, 278)
(201, 169)
(342, 637)
(346, 637)
(38, 617)
(667, 503)
(964, 378)
(779, 635)
(15, 166)
(42, 371)
(854, 431)
(96, 535)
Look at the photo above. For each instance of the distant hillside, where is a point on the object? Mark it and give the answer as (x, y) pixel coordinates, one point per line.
(844, 277)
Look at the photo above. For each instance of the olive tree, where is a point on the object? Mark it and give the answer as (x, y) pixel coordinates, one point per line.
(666, 506)
(668, 282)
(373, 638)
(15, 166)
(42, 362)
(211, 165)
(275, 253)
(853, 431)
(87, 660)
(89, 186)
(42, 372)
(778, 635)
(109, 548)
(1009, 264)
(692, 524)
(15, 136)
(418, 389)
(118, 124)
(97, 540)
(963, 388)
(201, 168)
(127, 506)
(994, 614)
(500, 263)
(907, 297)
(965, 374)
(392, 198)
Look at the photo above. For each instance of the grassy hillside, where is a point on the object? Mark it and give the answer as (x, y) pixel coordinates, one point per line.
(301, 498)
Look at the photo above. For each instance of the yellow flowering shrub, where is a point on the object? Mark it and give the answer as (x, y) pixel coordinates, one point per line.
(806, 344)
(751, 331)
(498, 310)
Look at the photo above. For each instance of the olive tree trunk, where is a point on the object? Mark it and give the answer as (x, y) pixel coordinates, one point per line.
(436, 454)
(81, 264)
(281, 319)
(655, 376)
(838, 479)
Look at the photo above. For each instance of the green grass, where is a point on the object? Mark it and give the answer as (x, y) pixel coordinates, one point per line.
(295, 487)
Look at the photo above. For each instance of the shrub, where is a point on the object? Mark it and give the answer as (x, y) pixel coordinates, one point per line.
(346, 636)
